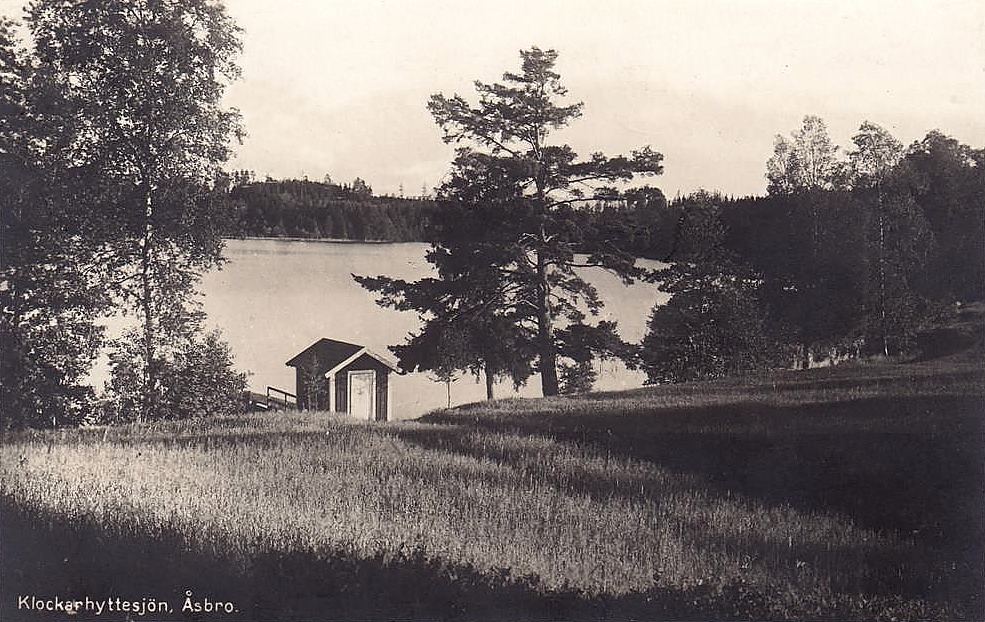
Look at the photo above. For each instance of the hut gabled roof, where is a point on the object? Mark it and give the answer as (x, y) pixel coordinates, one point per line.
(333, 355)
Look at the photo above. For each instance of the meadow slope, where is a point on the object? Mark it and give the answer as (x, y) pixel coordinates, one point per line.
(848, 493)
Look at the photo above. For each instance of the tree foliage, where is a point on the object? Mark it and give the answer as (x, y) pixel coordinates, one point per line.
(876, 154)
(714, 324)
(111, 139)
(195, 372)
(899, 239)
(49, 290)
(487, 346)
(522, 195)
(466, 328)
(947, 181)
(805, 162)
(862, 268)
(306, 209)
(141, 83)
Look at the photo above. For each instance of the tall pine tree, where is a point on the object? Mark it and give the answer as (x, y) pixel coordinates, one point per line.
(515, 197)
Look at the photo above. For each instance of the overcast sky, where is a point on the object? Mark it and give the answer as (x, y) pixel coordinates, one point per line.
(340, 86)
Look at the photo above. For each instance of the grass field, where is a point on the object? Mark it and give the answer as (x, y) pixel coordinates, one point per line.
(849, 493)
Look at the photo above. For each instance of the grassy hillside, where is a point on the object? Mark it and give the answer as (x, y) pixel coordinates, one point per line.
(847, 493)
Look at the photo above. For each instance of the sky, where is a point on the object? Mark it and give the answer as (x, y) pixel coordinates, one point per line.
(339, 87)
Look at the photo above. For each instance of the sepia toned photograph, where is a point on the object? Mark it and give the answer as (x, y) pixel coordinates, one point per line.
(422, 310)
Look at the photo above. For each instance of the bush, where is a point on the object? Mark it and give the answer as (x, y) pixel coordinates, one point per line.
(195, 377)
(713, 326)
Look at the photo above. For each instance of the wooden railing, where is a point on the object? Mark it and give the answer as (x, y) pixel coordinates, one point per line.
(286, 400)
(274, 399)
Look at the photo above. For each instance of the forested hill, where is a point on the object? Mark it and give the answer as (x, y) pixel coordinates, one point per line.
(294, 208)
(309, 209)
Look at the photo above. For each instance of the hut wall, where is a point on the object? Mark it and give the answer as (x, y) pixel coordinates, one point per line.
(299, 389)
(382, 379)
(342, 391)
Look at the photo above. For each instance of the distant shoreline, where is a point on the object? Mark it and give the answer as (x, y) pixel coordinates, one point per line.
(327, 240)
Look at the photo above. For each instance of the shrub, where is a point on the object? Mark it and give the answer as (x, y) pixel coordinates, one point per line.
(713, 326)
(195, 377)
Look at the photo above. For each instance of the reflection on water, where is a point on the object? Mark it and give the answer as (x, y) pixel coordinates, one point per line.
(274, 298)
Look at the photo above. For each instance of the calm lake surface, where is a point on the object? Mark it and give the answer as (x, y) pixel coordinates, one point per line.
(274, 298)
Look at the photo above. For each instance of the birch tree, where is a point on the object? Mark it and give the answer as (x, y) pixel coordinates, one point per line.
(143, 82)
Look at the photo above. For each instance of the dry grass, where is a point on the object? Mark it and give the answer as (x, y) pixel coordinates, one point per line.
(578, 495)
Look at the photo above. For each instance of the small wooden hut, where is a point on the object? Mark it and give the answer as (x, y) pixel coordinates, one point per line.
(343, 378)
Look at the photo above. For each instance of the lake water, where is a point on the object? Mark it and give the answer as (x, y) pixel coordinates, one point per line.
(274, 298)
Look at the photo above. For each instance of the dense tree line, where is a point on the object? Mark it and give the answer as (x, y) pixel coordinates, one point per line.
(850, 257)
(308, 209)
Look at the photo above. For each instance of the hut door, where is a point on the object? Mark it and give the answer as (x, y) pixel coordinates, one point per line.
(361, 392)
